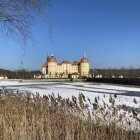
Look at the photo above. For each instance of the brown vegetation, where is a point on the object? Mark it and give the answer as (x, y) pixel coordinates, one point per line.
(32, 117)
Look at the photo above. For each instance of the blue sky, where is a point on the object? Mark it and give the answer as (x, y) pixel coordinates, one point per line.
(107, 31)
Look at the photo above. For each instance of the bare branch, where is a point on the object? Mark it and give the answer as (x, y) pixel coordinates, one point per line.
(16, 16)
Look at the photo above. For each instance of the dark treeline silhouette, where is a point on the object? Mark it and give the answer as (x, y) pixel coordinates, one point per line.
(126, 76)
(116, 73)
(122, 81)
(19, 74)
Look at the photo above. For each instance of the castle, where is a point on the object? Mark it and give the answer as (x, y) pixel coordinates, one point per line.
(65, 69)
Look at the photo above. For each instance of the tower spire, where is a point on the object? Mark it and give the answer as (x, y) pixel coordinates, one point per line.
(84, 55)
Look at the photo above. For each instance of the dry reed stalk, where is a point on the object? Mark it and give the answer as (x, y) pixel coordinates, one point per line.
(30, 117)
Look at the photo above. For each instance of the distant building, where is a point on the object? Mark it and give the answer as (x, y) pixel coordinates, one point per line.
(98, 76)
(121, 76)
(113, 76)
(65, 69)
(37, 76)
(3, 77)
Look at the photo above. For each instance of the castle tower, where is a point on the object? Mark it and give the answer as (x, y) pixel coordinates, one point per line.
(84, 66)
(52, 66)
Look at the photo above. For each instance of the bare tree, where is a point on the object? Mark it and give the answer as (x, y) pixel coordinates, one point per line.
(16, 16)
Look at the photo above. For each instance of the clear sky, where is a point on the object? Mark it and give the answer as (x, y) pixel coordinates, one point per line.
(107, 31)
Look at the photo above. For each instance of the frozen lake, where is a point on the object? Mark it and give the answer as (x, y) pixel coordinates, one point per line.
(78, 86)
(125, 95)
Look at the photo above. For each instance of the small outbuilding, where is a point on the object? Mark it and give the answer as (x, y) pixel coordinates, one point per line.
(3, 77)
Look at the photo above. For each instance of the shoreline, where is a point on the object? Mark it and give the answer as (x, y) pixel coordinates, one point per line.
(66, 80)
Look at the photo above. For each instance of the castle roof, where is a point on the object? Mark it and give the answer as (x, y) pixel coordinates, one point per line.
(65, 62)
(52, 59)
(75, 63)
(44, 65)
(84, 60)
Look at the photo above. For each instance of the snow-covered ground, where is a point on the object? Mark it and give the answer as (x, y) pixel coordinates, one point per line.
(125, 95)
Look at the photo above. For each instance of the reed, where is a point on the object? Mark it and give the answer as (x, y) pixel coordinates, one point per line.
(32, 117)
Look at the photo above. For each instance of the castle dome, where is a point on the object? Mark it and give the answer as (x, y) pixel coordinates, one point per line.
(65, 62)
(51, 59)
(84, 60)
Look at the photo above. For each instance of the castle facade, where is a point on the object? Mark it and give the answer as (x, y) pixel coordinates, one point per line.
(65, 69)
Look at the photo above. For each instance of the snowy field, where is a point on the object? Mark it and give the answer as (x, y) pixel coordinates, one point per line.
(124, 96)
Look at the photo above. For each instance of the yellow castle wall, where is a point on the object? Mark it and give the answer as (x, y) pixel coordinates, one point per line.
(55, 69)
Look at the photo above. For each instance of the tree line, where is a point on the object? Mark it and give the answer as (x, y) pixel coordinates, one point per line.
(19, 74)
(105, 73)
(116, 73)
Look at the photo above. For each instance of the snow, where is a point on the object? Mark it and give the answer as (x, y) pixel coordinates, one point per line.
(90, 90)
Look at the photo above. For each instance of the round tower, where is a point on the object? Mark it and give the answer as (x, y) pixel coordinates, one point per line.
(84, 66)
(52, 66)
